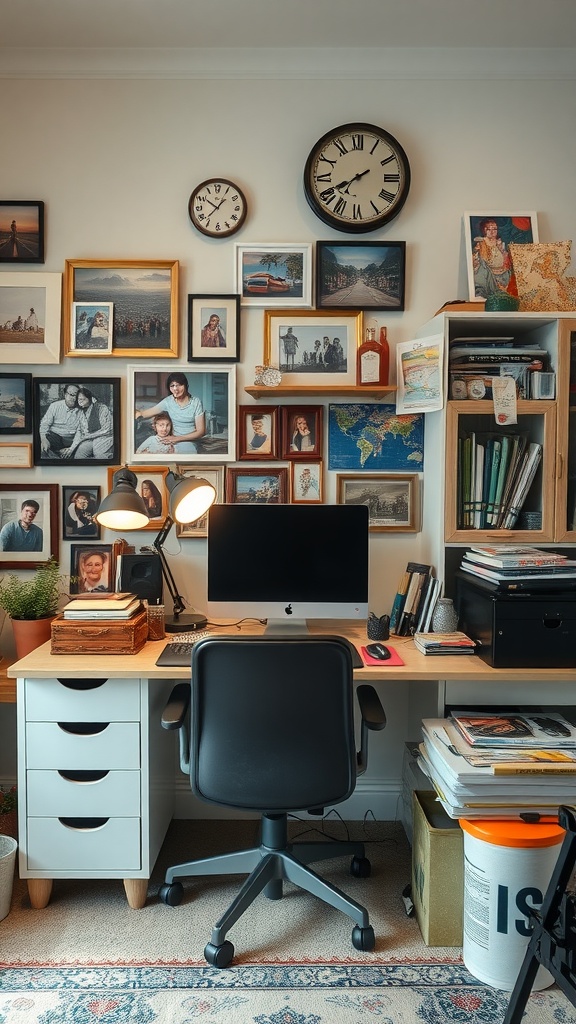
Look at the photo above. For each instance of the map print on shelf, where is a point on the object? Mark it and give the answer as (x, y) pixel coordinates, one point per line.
(374, 437)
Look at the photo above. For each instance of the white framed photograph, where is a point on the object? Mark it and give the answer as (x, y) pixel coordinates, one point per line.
(306, 483)
(91, 329)
(274, 274)
(30, 312)
(488, 260)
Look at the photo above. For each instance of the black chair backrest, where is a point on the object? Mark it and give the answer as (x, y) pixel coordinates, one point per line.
(272, 722)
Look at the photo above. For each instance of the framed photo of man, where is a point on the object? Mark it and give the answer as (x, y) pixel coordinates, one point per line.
(76, 421)
(79, 507)
(28, 525)
(91, 569)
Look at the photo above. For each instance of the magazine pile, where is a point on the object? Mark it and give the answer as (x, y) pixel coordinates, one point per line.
(503, 764)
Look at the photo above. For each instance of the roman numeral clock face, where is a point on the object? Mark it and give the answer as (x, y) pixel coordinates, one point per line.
(357, 177)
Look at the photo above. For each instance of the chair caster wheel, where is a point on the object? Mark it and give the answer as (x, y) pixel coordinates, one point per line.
(219, 956)
(363, 938)
(171, 893)
(360, 867)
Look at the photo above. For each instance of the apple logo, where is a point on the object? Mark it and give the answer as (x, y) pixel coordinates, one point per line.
(288, 609)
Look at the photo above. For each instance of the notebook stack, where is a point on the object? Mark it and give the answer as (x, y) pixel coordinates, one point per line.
(444, 643)
(509, 566)
(103, 606)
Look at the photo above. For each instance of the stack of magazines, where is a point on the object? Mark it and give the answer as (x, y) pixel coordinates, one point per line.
(506, 564)
(444, 643)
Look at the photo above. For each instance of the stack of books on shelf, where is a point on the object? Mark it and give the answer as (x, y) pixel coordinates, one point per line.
(475, 361)
(415, 600)
(495, 473)
(516, 567)
(502, 764)
(444, 643)
(113, 607)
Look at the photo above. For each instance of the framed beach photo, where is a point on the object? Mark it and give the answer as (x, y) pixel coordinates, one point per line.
(360, 275)
(76, 421)
(301, 431)
(257, 431)
(151, 487)
(488, 261)
(30, 307)
(274, 274)
(213, 328)
(313, 347)
(306, 483)
(91, 329)
(28, 525)
(92, 569)
(21, 231)
(181, 413)
(257, 486)
(15, 403)
(392, 499)
(144, 294)
(79, 507)
(215, 476)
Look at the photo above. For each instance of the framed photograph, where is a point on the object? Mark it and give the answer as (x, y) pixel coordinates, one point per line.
(306, 483)
(213, 328)
(15, 403)
(15, 456)
(28, 525)
(373, 436)
(144, 294)
(272, 274)
(360, 275)
(257, 486)
(392, 499)
(312, 348)
(91, 329)
(30, 308)
(215, 476)
(79, 506)
(181, 413)
(92, 568)
(21, 231)
(258, 432)
(76, 420)
(151, 487)
(301, 431)
(488, 261)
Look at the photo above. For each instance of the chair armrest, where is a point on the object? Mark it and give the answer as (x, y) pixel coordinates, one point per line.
(371, 709)
(176, 707)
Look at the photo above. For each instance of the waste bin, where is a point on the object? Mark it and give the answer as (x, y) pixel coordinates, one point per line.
(8, 847)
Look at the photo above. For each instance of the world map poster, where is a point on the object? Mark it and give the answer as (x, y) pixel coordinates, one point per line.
(374, 437)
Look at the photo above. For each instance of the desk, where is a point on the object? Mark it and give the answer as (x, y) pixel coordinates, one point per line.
(113, 825)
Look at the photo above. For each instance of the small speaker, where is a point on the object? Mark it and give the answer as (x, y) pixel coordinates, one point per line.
(141, 575)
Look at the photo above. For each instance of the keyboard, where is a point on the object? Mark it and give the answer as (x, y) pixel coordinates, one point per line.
(179, 652)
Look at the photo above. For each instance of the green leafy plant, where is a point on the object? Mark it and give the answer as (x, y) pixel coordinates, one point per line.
(8, 799)
(33, 598)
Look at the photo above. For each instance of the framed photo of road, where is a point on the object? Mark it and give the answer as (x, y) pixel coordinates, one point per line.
(360, 275)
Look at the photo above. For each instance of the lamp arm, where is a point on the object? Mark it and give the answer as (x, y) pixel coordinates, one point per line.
(158, 545)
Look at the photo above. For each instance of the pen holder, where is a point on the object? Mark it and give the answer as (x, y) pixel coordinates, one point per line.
(156, 629)
(378, 628)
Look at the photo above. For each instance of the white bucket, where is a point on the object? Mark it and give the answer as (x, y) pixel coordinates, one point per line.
(8, 847)
(507, 868)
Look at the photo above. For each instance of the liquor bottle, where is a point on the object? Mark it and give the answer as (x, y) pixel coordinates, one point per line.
(372, 360)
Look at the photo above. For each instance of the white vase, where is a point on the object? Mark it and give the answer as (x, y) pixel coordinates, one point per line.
(445, 616)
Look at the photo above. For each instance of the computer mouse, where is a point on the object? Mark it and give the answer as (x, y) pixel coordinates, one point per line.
(378, 651)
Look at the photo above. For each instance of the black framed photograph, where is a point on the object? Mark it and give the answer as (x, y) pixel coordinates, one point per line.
(15, 403)
(76, 420)
(257, 431)
(301, 431)
(79, 507)
(360, 275)
(213, 328)
(21, 231)
(92, 568)
(28, 525)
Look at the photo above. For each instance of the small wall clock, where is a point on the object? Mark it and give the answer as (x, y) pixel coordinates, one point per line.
(217, 207)
(357, 177)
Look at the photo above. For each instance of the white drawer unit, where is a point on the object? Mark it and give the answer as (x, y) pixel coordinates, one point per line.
(93, 793)
(59, 844)
(83, 744)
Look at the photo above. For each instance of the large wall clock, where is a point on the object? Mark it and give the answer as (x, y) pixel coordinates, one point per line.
(357, 177)
(217, 207)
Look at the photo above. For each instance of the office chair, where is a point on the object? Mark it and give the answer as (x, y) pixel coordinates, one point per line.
(272, 730)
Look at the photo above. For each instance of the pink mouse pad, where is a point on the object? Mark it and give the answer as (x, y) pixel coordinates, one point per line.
(394, 658)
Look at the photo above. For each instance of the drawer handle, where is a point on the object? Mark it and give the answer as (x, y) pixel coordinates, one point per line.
(84, 824)
(82, 684)
(94, 632)
(83, 776)
(83, 728)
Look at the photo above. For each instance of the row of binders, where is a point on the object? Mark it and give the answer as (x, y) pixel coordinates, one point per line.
(415, 600)
(113, 607)
(495, 473)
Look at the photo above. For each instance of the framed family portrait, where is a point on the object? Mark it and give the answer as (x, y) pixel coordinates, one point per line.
(360, 275)
(392, 499)
(215, 476)
(274, 274)
(28, 525)
(213, 328)
(301, 431)
(30, 308)
(91, 329)
(92, 568)
(312, 347)
(258, 432)
(257, 486)
(21, 231)
(79, 508)
(306, 483)
(151, 487)
(181, 413)
(144, 294)
(15, 403)
(487, 239)
(76, 421)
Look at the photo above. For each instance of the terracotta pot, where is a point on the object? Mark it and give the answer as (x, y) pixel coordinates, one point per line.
(30, 634)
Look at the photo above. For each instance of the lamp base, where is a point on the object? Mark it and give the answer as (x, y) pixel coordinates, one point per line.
(185, 623)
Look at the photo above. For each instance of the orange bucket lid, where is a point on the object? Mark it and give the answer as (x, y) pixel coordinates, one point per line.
(514, 833)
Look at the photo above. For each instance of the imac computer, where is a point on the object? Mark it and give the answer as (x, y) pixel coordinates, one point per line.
(288, 563)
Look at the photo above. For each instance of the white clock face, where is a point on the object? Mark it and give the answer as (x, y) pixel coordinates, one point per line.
(357, 177)
(217, 208)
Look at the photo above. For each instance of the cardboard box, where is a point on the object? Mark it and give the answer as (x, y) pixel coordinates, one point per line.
(412, 778)
(437, 872)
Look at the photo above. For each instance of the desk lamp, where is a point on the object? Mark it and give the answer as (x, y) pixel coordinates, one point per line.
(124, 509)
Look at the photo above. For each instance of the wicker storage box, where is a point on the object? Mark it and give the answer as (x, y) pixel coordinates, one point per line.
(99, 636)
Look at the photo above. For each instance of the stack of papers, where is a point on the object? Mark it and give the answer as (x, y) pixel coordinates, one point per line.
(104, 606)
(444, 643)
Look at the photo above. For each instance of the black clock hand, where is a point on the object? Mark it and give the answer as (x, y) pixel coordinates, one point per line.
(343, 186)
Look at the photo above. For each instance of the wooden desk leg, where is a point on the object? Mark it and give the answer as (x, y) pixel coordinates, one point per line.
(39, 891)
(136, 892)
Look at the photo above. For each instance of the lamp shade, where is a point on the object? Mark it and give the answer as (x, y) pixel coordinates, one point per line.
(190, 497)
(123, 508)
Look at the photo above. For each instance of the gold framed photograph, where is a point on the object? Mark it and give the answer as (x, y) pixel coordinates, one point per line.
(151, 487)
(392, 499)
(215, 476)
(313, 347)
(306, 483)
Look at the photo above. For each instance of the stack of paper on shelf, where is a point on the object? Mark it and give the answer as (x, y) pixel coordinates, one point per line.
(505, 780)
(444, 643)
(104, 606)
(505, 564)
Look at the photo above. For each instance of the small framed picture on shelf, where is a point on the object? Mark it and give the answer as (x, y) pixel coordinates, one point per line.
(392, 499)
(16, 403)
(257, 432)
(274, 274)
(488, 260)
(213, 328)
(360, 275)
(257, 486)
(91, 329)
(301, 431)
(92, 568)
(215, 476)
(306, 483)
(28, 524)
(21, 231)
(312, 347)
(79, 507)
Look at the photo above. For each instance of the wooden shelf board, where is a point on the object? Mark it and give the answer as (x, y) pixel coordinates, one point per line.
(337, 391)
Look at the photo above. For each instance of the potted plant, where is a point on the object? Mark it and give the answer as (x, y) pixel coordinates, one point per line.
(31, 604)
